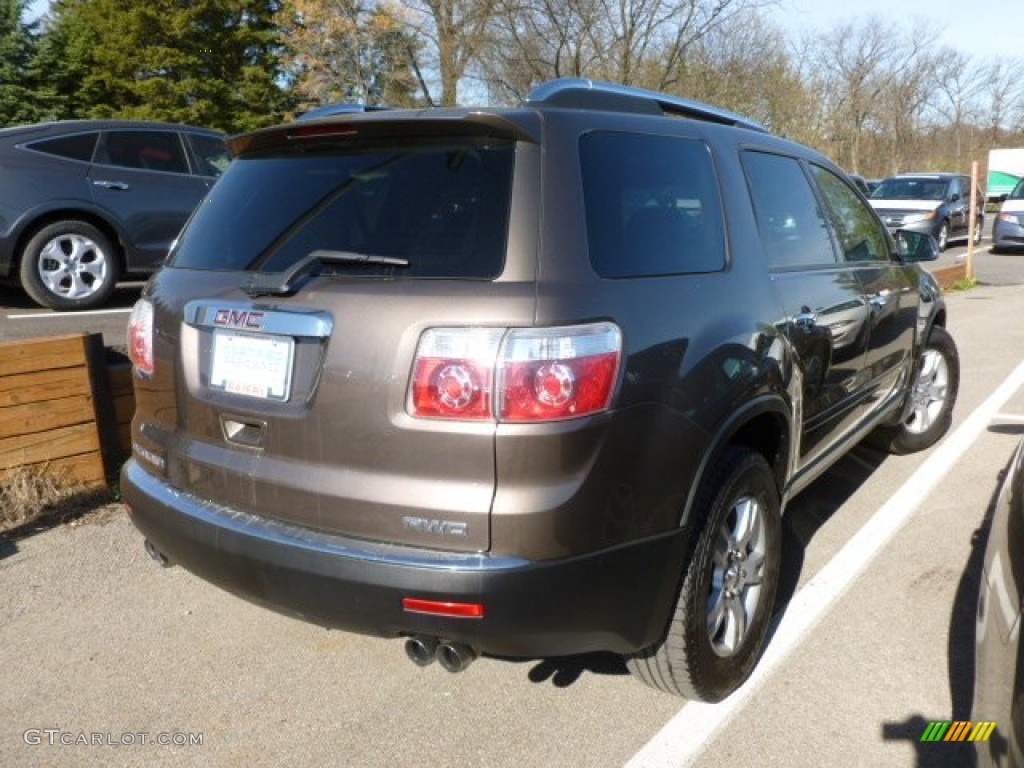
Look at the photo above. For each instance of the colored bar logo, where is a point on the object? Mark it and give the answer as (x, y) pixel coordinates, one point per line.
(958, 730)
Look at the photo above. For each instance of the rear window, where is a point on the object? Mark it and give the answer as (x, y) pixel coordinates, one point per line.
(441, 208)
(652, 205)
(79, 146)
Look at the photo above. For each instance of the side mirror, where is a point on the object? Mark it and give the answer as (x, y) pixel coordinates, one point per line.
(916, 246)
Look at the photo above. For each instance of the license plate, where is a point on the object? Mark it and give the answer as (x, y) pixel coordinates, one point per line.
(250, 365)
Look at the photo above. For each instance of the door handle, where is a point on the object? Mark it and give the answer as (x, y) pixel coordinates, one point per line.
(119, 186)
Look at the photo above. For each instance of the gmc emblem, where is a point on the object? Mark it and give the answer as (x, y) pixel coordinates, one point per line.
(238, 318)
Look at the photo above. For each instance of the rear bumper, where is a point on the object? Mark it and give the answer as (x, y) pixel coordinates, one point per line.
(615, 600)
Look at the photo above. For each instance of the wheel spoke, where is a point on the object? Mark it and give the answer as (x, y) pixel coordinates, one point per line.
(735, 625)
(748, 524)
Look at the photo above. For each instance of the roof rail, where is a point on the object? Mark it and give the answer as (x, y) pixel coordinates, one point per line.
(581, 93)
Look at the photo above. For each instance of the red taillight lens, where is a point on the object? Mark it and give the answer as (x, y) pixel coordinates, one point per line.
(515, 375)
(453, 373)
(140, 337)
(558, 373)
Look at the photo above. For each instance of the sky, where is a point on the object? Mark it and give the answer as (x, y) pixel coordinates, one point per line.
(979, 29)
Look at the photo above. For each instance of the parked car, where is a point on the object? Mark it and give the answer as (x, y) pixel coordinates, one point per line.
(1008, 226)
(84, 203)
(999, 664)
(936, 203)
(532, 381)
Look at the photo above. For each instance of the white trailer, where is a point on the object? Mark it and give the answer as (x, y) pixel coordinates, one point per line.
(1005, 169)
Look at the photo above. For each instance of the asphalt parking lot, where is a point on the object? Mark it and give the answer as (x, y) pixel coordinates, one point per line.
(105, 655)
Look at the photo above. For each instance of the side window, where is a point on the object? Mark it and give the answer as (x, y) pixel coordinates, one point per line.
(80, 146)
(148, 150)
(955, 191)
(652, 205)
(789, 220)
(859, 233)
(210, 152)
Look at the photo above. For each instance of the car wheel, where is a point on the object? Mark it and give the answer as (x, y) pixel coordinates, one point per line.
(978, 226)
(930, 410)
(943, 236)
(69, 265)
(718, 625)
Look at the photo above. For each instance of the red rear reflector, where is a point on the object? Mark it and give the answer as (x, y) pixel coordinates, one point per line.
(439, 608)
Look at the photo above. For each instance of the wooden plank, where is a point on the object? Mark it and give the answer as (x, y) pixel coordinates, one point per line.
(28, 355)
(42, 446)
(45, 416)
(24, 388)
(86, 468)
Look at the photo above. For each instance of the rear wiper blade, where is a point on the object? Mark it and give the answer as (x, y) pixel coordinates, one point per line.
(281, 283)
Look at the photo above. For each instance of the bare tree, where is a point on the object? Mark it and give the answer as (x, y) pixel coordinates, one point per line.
(1004, 84)
(633, 42)
(456, 31)
(347, 50)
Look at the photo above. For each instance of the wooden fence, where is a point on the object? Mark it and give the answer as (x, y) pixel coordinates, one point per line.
(63, 409)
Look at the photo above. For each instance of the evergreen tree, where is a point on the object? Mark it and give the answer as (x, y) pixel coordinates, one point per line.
(208, 62)
(18, 102)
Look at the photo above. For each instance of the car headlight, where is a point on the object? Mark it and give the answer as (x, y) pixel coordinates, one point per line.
(1010, 218)
(913, 218)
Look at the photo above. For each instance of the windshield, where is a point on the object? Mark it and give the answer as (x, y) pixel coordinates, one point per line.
(1018, 191)
(911, 189)
(440, 208)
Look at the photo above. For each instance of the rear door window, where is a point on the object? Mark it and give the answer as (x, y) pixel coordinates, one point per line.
(652, 205)
(442, 208)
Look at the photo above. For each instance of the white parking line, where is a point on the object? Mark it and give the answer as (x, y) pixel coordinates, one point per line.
(33, 316)
(683, 738)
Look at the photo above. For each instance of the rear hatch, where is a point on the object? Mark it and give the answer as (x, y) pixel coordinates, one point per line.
(289, 320)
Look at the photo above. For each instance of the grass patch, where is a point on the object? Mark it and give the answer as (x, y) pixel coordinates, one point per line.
(965, 284)
(32, 499)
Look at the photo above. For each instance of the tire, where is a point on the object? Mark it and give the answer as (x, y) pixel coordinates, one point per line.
(69, 265)
(714, 638)
(943, 236)
(978, 226)
(932, 396)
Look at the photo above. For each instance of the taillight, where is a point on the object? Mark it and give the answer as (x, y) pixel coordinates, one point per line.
(515, 375)
(454, 372)
(140, 337)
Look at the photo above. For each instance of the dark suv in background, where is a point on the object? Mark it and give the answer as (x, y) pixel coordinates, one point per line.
(936, 203)
(529, 382)
(85, 202)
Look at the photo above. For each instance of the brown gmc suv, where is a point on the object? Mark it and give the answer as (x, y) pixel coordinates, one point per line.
(530, 382)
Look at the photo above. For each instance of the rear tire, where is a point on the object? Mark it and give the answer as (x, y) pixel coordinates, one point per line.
(718, 625)
(932, 396)
(69, 265)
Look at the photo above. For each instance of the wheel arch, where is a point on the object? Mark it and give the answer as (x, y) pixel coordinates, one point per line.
(764, 425)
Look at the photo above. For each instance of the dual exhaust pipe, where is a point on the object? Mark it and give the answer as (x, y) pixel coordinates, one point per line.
(423, 651)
